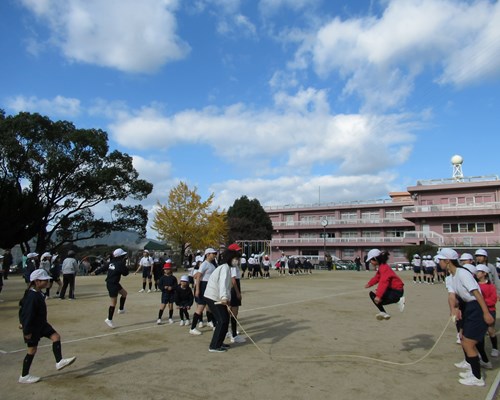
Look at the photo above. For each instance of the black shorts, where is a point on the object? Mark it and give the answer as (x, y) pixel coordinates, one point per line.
(416, 270)
(46, 331)
(146, 272)
(235, 302)
(113, 289)
(167, 297)
(201, 299)
(474, 326)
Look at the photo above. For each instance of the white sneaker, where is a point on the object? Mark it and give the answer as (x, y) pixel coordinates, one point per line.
(238, 339)
(495, 353)
(382, 315)
(158, 321)
(401, 304)
(121, 311)
(211, 324)
(487, 365)
(65, 362)
(170, 321)
(200, 324)
(141, 291)
(149, 290)
(472, 381)
(458, 338)
(463, 364)
(465, 374)
(109, 323)
(229, 335)
(187, 322)
(195, 332)
(181, 323)
(29, 379)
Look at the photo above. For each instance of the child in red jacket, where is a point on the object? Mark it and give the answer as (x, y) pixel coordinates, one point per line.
(490, 297)
(390, 286)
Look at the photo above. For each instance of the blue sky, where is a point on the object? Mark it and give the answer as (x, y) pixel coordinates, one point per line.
(286, 101)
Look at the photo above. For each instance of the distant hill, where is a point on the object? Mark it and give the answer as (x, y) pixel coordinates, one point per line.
(127, 239)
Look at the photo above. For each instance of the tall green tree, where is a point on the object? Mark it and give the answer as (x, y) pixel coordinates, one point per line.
(59, 173)
(187, 221)
(247, 220)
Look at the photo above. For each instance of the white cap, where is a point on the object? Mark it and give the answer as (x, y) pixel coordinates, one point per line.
(447, 254)
(39, 274)
(184, 278)
(145, 251)
(372, 254)
(193, 263)
(199, 259)
(498, 258)
(32, 255)
(466, 256)
(119, 252)
(482, 267)
(210, 251)
(471, 267)
(46, 254)
(416, 256)
(481, 252)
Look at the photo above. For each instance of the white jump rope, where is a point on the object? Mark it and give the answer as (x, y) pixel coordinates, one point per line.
(322, 358)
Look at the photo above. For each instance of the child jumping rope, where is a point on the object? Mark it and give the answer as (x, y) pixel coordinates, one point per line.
(390, 286)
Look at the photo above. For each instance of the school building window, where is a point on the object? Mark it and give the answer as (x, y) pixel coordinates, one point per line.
(474, 227)
(370, 215)
(347, 216)
(394, 215)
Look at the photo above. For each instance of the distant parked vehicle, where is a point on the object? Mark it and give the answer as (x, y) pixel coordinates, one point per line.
(16, 268)
(400, 266)
(344, 264)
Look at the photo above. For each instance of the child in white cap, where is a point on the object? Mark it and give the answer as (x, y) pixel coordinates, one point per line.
(390, 287)
(490, 297)
(184, 300)
(474, 314)
(33, 317)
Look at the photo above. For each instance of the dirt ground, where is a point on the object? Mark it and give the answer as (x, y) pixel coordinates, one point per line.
(309, 337)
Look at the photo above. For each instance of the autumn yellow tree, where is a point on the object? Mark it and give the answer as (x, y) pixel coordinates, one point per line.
(186, 220)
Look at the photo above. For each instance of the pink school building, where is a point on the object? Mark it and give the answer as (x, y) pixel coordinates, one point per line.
(461, 213)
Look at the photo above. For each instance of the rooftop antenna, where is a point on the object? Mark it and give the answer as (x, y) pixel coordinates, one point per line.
(457, 162)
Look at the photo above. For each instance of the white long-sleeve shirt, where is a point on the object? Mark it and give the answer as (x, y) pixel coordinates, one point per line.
(219, 284)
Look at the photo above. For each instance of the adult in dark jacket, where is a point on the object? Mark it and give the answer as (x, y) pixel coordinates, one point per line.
(7, 261)
(115, 269)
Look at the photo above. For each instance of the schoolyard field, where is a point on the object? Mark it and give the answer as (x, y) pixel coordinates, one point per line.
(308, 337)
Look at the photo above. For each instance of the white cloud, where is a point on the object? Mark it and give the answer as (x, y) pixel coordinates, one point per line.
(300, 130)
(304, 190)
(128, 35)
(380, 57)
(59, 106)
(270, 7)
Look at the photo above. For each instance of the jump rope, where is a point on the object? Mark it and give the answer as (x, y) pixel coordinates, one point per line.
(329, 356)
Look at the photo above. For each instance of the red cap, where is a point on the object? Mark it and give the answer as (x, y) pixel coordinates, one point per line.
(167, 266)
(234, 247)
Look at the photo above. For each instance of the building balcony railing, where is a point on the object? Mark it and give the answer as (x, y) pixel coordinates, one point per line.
(333, 241)
(471, 241)
(425, 235)
(451, 208)
(358, 221)
(329, 205)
